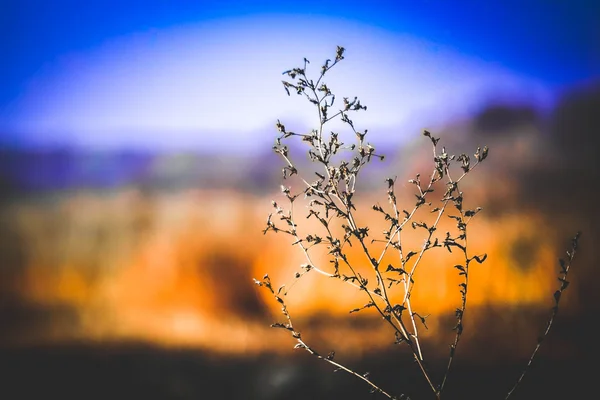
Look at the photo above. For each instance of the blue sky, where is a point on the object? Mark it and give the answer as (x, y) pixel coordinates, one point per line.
(180, 74)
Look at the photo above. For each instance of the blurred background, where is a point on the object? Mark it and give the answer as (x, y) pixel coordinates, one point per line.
(136, 176)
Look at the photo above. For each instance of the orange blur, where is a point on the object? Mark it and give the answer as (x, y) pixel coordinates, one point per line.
(176, 270)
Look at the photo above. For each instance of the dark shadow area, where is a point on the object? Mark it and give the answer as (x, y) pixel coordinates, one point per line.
(125, 371)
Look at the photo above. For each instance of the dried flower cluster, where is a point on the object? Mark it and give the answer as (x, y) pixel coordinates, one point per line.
(330, 196)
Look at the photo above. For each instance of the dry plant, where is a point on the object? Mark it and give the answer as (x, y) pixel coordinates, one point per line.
(331, 203)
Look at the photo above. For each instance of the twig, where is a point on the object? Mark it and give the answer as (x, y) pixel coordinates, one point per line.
(564, 283)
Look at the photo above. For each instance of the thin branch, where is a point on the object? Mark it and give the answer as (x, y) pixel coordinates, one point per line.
(564, 283)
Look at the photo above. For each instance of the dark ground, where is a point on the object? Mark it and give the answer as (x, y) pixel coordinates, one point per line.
(136, 371)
